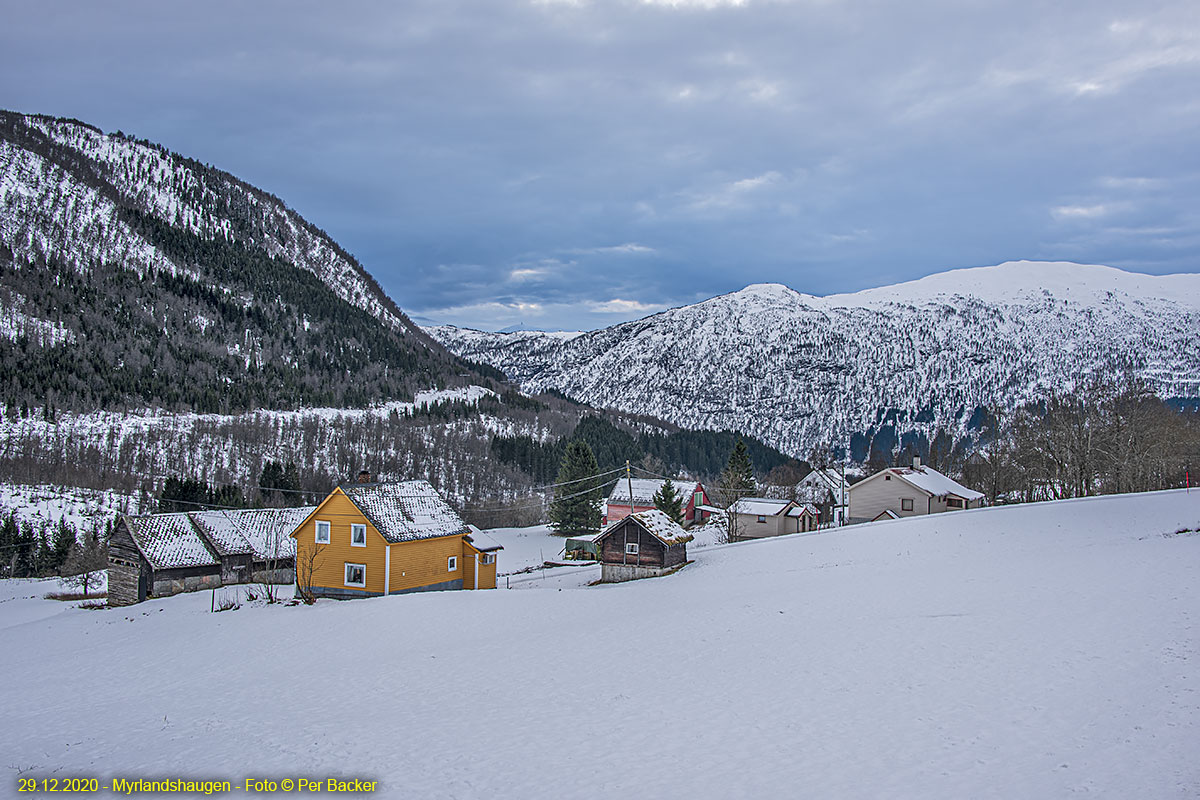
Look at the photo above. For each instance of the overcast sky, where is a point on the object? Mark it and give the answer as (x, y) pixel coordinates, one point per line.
(572, 164)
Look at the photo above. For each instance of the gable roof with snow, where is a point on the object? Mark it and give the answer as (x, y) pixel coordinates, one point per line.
(655, 523)
(405, 511)
(802, 509)
(482, 541)
(761, 506)
(644, 490)
(201, 538)
(830, 479)
(170, 541)
(927, 480)
(262, 532)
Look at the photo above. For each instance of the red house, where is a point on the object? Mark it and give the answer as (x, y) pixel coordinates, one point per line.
(644, 489)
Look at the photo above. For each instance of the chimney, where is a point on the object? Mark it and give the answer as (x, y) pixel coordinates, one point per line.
(364, 476)
(916, 462)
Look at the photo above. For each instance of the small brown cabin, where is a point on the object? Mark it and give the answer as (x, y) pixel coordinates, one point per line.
(642, 545)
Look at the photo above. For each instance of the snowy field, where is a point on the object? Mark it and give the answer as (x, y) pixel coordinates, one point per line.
(1038, 651)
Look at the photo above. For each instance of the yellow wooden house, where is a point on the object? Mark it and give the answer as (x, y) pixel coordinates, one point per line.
(374, 539)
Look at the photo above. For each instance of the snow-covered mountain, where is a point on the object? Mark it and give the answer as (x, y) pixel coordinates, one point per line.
(797, 370)
(130, 275)
(66, 188)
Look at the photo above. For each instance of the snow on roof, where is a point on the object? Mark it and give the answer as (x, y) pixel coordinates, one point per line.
(655, 523)
(481, 541)
(222, 530)
(935, 483)
(644, 490)
(801, 509)
(265, 532)
(181, 540)
(760, 506)
(405, 511)
(830, 479)
(887, 513)
(169, 541)
(588, 537)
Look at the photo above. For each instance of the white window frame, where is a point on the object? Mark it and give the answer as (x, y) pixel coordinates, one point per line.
(452, 564)
(356, 526)
(906, 501)
(346, 575)
(631, 548)
(325, 526)
(487, 558)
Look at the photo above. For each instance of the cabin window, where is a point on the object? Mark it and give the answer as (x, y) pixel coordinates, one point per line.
(762, 518)
(487, 558)
(906, 504)
(356, 575)
(322, 532)
(887, 477)
(452, 564)
(631, 548)
(358, 535)
(953, 502)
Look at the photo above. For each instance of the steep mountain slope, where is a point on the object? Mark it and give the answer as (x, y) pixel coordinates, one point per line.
(797, 370)
(131, 275)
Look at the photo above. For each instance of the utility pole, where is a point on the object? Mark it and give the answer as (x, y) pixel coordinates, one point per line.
(842, 491)
(629, 482)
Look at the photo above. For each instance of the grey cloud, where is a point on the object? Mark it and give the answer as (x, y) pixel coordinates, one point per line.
(830, 146)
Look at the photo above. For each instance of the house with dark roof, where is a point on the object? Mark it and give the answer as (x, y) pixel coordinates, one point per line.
(645, 544)
(374, 539)
(620, 504)
(157, 555)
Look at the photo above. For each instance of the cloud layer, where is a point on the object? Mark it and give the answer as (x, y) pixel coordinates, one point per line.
(567, 164)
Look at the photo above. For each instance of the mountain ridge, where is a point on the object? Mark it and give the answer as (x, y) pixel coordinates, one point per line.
(131, 275)
(797, 370)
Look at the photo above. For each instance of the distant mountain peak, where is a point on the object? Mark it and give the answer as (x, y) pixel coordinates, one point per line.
(796, 370)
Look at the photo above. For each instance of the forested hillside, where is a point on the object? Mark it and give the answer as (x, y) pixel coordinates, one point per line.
(131, 276)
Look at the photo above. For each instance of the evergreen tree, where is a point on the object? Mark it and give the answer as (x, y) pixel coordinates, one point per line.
(576, 506)
(737, 480)
(61, 542)
(668, 501)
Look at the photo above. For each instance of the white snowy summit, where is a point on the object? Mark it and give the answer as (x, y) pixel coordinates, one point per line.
(795, 370)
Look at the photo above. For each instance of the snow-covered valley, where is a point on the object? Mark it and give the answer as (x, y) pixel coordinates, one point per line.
(1026, 651)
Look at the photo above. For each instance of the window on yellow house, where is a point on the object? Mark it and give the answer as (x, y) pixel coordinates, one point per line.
(452, 564)
(356, 574)
(322, 532)
(358, 535)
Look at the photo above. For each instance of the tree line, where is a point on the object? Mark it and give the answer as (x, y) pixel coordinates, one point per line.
(1106, 438)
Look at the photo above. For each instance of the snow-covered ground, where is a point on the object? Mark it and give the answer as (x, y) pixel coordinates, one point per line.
(1030, 651)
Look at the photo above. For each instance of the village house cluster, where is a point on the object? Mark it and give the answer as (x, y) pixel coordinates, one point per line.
(371, 539)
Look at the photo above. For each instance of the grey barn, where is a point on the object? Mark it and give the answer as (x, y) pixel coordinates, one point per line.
(157, 555)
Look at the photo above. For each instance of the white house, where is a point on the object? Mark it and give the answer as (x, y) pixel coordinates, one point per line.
(827, 489)
(907, 492)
